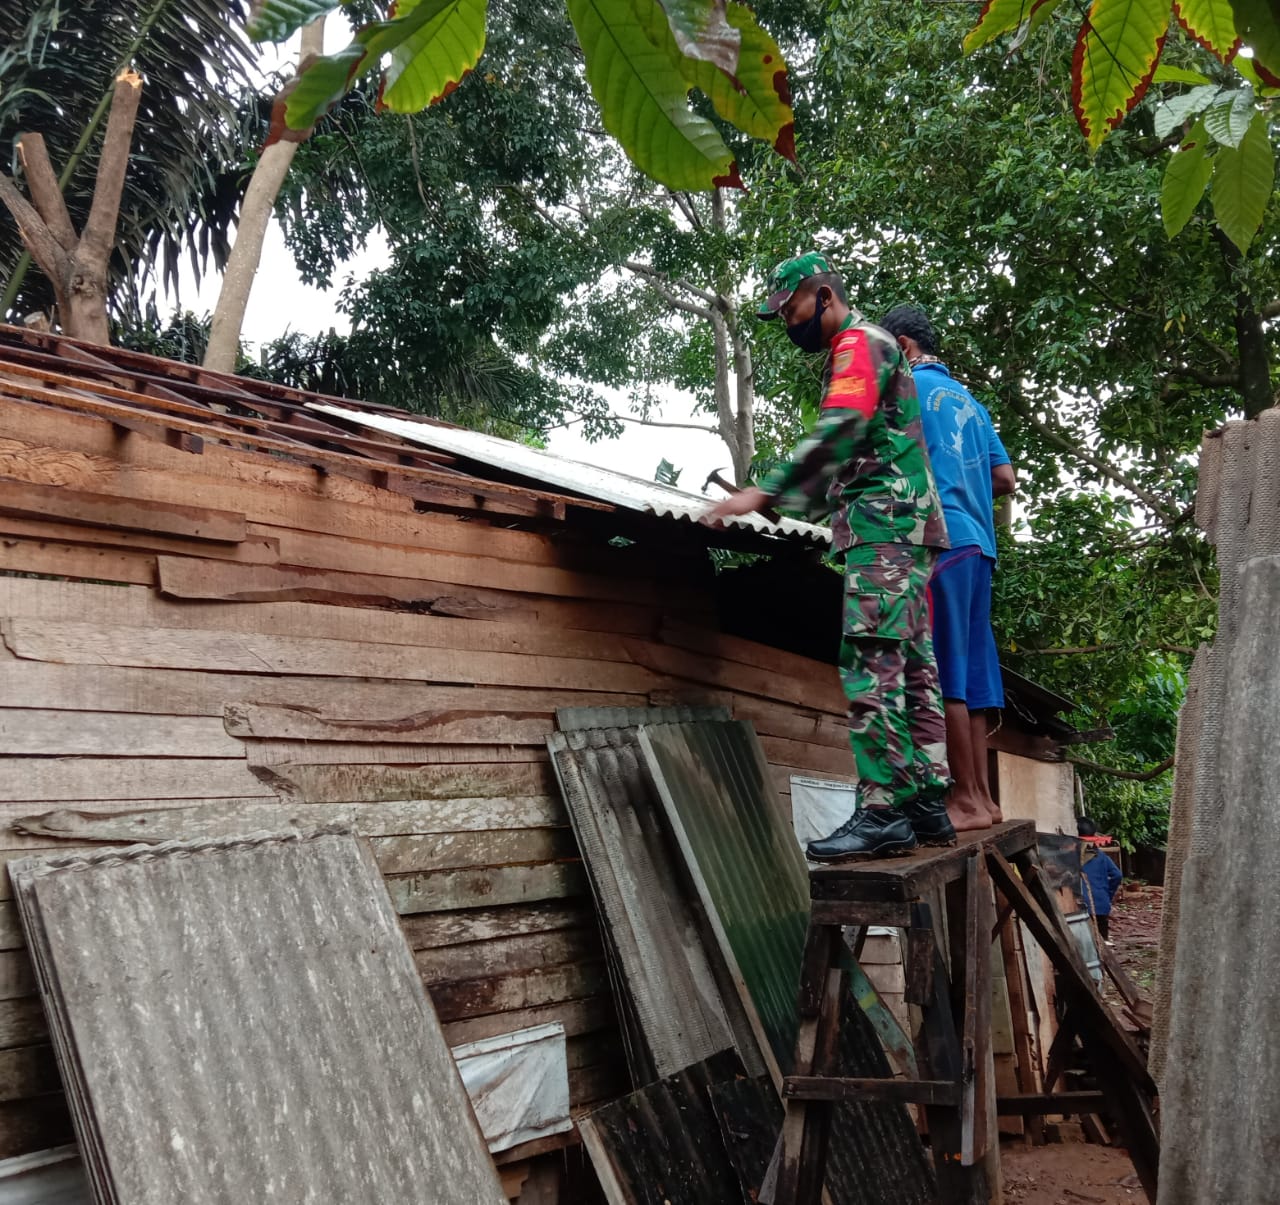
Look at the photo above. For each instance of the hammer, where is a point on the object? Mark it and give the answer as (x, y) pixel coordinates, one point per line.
(729, 488)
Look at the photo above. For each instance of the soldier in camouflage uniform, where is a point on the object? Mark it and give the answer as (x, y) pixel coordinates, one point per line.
(866, 466)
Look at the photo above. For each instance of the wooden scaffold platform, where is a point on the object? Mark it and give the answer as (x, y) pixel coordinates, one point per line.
(952, 904)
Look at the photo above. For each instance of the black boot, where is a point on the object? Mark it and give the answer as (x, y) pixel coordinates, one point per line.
(869, 833)
(929, 820)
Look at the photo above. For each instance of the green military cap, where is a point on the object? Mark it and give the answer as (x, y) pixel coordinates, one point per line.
(786, 277)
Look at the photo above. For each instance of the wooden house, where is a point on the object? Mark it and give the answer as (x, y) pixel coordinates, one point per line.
(222, 610)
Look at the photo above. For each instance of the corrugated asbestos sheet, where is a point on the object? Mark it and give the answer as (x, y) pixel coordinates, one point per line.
(546, 468)
(662, 1145)
(241, 1020)
(714, 784)
(679, 1011)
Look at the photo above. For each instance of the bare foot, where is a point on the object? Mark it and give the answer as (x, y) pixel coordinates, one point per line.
(967, 812)
(993, 810)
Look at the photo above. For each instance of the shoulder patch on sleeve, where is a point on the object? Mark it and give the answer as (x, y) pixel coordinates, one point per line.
(854, 383)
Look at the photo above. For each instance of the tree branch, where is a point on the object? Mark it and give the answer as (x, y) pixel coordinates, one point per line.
(1084, 649)
(45, 249)
(46, 195)
(657, 422)
(100, 226)
(1131, 775)
(1270, 310)
(1208, 379)
(660, 285)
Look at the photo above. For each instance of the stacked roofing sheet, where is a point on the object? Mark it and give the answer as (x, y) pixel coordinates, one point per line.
(241, 1020)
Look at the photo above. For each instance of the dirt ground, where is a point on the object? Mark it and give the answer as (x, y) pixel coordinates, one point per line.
(1074, 1173)
(1069, 1173)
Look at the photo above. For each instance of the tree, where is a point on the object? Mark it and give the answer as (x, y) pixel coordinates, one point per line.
(255, 215)
(58, 68)
(76, 265)
(1223, 128)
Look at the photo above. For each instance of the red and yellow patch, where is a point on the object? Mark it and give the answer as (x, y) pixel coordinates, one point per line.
(854, 384)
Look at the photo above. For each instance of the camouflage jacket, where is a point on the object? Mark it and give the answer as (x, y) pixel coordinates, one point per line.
(865, 462)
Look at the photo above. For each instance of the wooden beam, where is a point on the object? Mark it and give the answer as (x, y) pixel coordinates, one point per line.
(841, 1089)
(1042, 1103)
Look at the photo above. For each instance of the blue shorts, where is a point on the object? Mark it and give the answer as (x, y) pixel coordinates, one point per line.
(963, 643)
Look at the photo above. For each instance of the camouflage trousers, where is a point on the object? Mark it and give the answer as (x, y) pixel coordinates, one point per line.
(896, 722)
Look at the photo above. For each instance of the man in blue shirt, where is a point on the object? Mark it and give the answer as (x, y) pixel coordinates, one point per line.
(1100, 878)
(971, 469)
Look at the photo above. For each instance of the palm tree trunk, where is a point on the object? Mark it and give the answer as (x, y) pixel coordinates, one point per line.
(255, 216)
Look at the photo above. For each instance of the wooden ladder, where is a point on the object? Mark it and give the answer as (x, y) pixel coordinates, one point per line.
(947, 962)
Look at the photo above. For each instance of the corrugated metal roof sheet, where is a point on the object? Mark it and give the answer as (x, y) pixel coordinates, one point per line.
(750, 872)
(241, 1020)
(546, 468)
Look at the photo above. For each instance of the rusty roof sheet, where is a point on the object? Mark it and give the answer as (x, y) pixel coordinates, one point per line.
(241, 1020)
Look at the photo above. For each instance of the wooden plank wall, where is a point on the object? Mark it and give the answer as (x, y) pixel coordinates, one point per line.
(199, 644)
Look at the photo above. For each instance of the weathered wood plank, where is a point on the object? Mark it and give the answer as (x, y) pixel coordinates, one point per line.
(821, 692)
(17, 978)
(107, 734)
(447, 890)
(523, 989)
(267, 755)
(504, 956)
(40, 779)
(438, 929)
(253, 549)
(820, 758)
(45, 684)
(376, 784)
(65, 560)
(33, 1125)
(11, 937)
(103, 510)
(577, 1017)
(22, 1023)
(190, 579)
(449, 726)
(745, 652)
(489, 849)
(242, 652)
(192, 819)
(28, 1071)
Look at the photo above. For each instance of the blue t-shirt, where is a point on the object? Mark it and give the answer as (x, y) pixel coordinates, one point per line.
(964, 448)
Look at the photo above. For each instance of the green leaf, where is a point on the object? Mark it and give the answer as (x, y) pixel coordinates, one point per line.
(997, 17)
(756, 98)
(703, 31)
(1185, 178)
(434, 59)
(1178, 75)
(1115, 57)
(329, 77)
(1243, 177)
(1211, 23)
(1228, 122)
(633, 67)
(1041, 11)
(276, 20)
(1171, 113)
(1258, 24)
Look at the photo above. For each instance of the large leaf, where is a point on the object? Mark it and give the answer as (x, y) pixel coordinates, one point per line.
(703, 31)
(1258, 23)
(1243, 177)
(1185, 178)
(432, 61)
(1116, 54)
(1041, 11)
(1228, 121)
(1211, 23)
(1178, 75)
(756, 98)
(997, 17)
(329, 77)
(633, 67)
(1170, 114)
(277, 20)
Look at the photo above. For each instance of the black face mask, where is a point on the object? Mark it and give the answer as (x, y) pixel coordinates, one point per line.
(807, 335)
